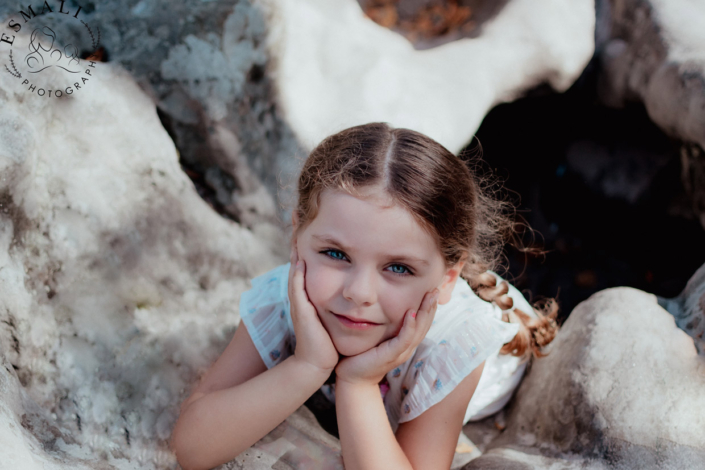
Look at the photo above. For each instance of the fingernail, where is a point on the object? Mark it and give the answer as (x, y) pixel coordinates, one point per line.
(298, 264)
(413, 314)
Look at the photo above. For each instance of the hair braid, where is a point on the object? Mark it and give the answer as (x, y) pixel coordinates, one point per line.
(534, 332)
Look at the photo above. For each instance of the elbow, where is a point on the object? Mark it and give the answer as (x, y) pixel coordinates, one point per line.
(192, 456)
(177, 447)
(191, 450)
(187, 460)
(193, 442)
(182, 445)
(185, 464)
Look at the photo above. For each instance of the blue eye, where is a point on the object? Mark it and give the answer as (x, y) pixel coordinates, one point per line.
(400, 269)
(335, 254)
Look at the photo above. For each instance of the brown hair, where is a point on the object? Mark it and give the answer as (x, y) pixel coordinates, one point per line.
(443, 194)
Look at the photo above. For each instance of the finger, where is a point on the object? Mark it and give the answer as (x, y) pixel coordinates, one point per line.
(427, 312)
(414, 328)
(291, 289)
(292, 268)
(293, 258)
(299, 296)
(404, 340)
(297, 279)
(429, 303)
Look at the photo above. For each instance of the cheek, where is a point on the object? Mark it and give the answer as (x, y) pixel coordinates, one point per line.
(322, 283)
(399, 299)
(407, 296)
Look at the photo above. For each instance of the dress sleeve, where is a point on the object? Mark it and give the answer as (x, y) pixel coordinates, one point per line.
(465, 332)
(439, 367)
(264, 310)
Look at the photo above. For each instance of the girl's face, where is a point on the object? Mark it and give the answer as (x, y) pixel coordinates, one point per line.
(368, 261)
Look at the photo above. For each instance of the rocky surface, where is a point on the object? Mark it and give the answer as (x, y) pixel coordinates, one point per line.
(653, 51)
(621, 388)
(689, 309)
(120, 285)
(206, 66)
(247, 88)
(298, 443)
(336, 68)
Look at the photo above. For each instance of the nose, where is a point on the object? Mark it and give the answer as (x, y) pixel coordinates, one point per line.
(361, 287)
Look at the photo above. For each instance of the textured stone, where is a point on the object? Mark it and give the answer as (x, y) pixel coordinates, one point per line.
(206, 66)
(689, 308)
(653, 51)
(621, 388)
(120, 285)
(512, 459)
(335, 68)
(247, 88)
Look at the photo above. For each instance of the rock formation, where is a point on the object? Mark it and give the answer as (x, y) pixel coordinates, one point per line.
(689, 308)
(336, 68)
(247, 88)
(621, 388)
(120, 285)
(653, 52)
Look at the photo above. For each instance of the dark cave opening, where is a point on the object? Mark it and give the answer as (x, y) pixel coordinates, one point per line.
(601, 186)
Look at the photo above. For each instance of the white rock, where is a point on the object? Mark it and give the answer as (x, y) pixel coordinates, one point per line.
(653, 51)
(689, 308)
(334, 68)
(279, 76)
(621, 388)
(120, 285)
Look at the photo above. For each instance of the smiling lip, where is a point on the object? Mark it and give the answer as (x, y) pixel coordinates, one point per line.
(356, 324)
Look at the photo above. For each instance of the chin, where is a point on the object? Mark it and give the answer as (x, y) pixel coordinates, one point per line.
(349, 347)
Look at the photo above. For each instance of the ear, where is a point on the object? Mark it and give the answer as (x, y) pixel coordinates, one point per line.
(446, 287)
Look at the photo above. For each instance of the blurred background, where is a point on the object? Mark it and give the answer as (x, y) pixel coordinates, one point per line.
(603, 189)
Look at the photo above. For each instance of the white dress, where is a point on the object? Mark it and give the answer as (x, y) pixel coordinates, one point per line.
(466, 331)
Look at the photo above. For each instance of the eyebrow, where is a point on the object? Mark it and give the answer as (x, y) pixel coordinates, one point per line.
(328, 239)
(404, 258)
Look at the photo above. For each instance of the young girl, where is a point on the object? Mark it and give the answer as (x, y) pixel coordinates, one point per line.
(389, 226)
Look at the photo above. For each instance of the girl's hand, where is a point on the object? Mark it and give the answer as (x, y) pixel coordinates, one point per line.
(371, 366)
(313, 343)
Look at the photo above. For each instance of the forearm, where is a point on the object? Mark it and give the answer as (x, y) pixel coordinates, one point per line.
(220, 425)
(366, 436)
